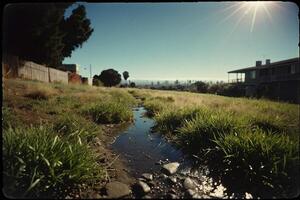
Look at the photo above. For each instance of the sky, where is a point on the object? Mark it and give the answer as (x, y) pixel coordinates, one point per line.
(186, 41)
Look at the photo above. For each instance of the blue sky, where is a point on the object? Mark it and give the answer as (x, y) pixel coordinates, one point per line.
(197, 40)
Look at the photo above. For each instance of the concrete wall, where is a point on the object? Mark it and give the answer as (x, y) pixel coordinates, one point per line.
(13, 67)
(57, 76)
(33, 71)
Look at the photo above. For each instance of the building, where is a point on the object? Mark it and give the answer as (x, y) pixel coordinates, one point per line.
(74, 68)
(279, 80)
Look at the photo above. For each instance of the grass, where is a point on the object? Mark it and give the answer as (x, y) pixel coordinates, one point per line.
(239, 137)
(45, 160)
(108, 112)
(38, 163)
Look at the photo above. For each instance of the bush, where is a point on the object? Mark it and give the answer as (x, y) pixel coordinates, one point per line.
(108, 112)
(39, 163)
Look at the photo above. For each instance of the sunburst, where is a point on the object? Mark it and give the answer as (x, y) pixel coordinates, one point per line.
(249, 8)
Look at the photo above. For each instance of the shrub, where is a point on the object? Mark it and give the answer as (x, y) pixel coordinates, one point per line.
(37, 162)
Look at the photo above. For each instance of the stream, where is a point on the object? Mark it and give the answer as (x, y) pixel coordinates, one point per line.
(143, 149)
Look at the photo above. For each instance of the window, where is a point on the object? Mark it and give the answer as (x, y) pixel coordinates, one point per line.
(293, 68)
(253, 74)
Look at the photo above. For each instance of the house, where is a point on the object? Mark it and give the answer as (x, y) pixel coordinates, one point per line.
(279, 80)
(73, 68)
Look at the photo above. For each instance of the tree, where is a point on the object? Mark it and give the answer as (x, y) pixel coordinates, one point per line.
(39, 32)
(132, 84)
(109, 77)
(125, 75)
(201, 86)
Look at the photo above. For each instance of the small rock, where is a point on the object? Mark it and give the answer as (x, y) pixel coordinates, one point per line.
(151, 183)
(190, 192)
(146, 197)
(143, 186)
(189, 183)
(117, 189)
(172, 179)
(163, 176)
(160, 162)
(173, 191)
(147, 176)
(142, 179)
(197, 196)
(171, 168)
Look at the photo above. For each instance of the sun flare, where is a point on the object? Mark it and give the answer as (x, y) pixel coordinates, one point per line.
(250, 8)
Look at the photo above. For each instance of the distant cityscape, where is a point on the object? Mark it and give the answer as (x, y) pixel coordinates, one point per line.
(168, 82)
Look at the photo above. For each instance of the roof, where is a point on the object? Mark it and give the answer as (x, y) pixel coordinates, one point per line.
(274, 64)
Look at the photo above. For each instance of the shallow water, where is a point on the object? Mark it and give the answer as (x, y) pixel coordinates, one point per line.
(143, 148)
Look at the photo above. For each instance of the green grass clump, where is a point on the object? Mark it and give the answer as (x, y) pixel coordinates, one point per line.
(70, 125)
(156, 105)
(198, 133)
(37, 162)
(170, 120)
(261, 158)
(108, 112)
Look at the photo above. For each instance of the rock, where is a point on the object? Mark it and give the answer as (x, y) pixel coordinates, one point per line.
(147, 176)
(160, 162)
(142, 179)
(146, 197)
(173, 191)
(172, 180)
(170, 168)
(151, 183)
(143, 187)
(197, 196)
(190, 192)
(189, 183)
(117, 189)
(163, 176)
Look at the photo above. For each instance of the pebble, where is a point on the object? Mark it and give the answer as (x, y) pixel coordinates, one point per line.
(143, 186)
(170, 168)
(147, 176)
(189, 183)
(117, 189)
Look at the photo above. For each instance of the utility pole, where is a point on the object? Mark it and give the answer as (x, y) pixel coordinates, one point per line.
(90, 71)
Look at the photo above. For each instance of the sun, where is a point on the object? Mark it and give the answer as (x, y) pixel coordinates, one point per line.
(250, 8)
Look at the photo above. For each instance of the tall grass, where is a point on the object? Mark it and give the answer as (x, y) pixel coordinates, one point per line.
(268, 161)
(108, 112)
(39, 163)
(77, 126)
